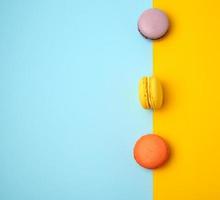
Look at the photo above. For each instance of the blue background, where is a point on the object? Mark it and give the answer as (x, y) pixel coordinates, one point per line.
(69, 110)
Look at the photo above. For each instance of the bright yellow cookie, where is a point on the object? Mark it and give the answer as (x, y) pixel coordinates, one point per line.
(150, 93)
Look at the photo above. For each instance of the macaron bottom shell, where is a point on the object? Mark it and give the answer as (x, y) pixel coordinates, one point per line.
(143, 92)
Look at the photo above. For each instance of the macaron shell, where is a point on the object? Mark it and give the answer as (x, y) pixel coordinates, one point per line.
(143, 94)
(155, 92)
(151, 151)
(153, 23)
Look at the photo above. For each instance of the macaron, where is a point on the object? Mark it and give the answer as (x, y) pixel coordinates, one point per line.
(150, 93)
(153, 23)
(151, 151)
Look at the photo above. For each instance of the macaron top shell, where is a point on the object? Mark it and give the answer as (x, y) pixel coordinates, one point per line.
(155, 93)
(153, 23)
(151, 151)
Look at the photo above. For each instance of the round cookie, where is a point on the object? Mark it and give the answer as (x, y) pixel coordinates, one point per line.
(151, 151)
(153, 23)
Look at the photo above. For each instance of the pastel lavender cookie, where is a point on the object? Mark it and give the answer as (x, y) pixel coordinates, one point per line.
(153, 23)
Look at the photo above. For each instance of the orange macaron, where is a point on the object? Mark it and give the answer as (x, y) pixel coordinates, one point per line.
(151, 151)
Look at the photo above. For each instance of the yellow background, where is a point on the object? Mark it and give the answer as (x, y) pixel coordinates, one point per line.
(187, 61)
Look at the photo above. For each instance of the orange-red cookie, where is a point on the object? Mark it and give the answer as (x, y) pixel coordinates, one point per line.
(151, 151)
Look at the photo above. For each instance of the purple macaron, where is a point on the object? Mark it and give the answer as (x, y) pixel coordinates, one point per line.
(153, 23)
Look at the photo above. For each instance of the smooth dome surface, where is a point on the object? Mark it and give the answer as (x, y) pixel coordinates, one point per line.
(151, 151)
(153, 23)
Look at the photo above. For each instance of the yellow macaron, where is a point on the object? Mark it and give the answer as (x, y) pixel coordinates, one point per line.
(150, 93)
